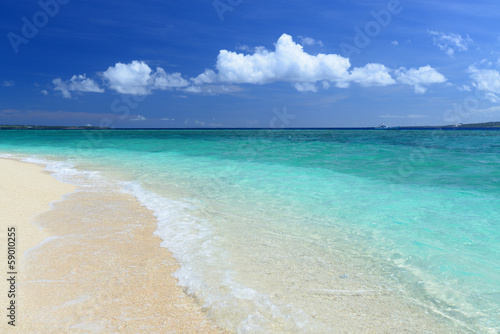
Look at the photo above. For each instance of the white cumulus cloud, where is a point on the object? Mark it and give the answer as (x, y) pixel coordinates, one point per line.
(371, 75)
(207, 77)
(289, 63)
(77, 83)
(137, 78)
(486, 80)
(450, 43)
(418, 78)
(163, 80)
(133, 78)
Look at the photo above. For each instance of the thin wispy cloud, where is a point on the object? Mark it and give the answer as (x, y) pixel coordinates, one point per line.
(7, 83)
(138, 118)
(49, 116)
(450, 43)
(305, 87)
(212, 89)
(310, 41)
(403, 116)
(491, 111)
(77, 83)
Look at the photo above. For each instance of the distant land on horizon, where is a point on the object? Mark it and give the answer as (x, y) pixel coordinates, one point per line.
(485, 125)
(48, 127)
(461, 125)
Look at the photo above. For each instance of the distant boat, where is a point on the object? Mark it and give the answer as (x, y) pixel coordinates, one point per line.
(382, 126)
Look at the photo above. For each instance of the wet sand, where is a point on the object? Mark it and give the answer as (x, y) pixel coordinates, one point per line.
(91, 264)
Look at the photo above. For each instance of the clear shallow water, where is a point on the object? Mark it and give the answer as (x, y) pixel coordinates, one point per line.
(265, 222)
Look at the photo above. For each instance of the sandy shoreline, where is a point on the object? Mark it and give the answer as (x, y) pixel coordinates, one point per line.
(93, 265)
(98, 271)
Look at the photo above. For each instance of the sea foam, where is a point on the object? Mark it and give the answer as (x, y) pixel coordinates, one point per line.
(205, 271)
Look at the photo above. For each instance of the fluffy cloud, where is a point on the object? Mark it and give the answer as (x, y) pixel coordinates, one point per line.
(77, 83)
(486, 80)
(206, 77)
(451, 42)
(163, 80)
(286, 63)
(420, 77)
(133, 78)
(289, 63)
(137, 78)
(371, 75)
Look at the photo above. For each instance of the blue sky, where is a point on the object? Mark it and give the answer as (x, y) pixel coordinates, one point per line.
(243, 63)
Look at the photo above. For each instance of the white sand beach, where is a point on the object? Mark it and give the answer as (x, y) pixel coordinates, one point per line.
(83, 269)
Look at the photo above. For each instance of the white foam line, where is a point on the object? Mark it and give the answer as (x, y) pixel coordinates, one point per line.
(205, 271)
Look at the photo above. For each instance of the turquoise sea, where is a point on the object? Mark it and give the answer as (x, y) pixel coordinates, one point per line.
(275, 229)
